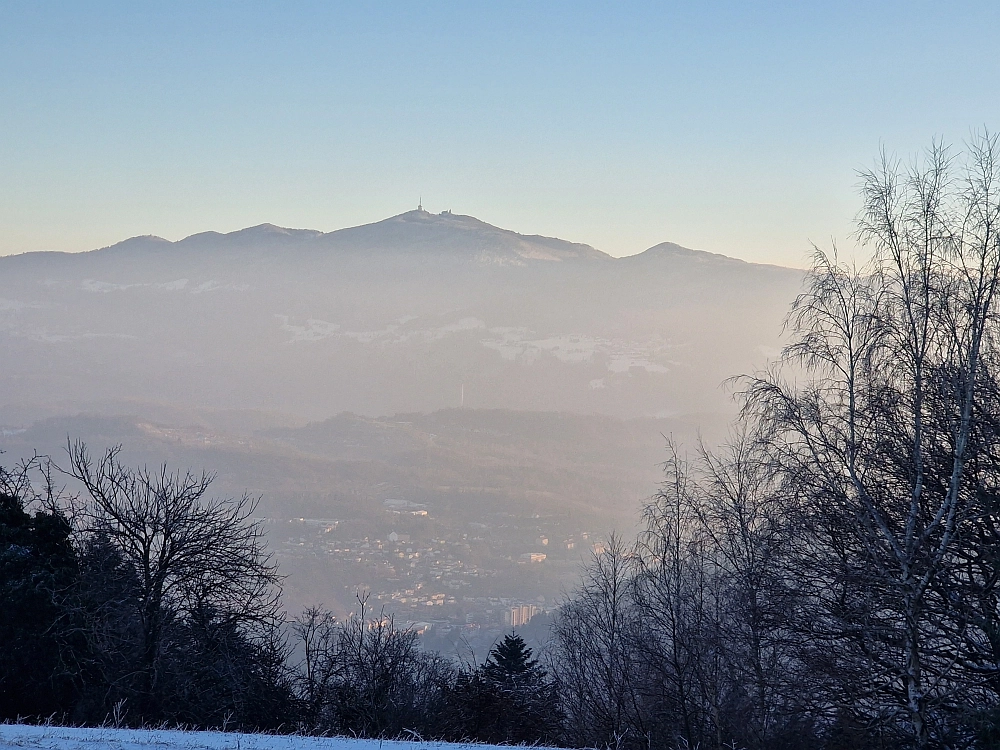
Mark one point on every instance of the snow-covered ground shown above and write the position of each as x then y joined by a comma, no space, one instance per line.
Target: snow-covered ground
75,738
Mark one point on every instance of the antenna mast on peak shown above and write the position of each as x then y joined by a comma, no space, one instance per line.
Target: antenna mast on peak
420,203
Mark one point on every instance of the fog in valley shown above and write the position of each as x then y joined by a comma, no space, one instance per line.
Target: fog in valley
449,415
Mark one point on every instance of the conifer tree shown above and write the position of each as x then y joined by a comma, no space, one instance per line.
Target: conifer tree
509,699
36,559
510,664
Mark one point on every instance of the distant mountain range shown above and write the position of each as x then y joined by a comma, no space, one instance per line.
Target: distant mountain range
410,314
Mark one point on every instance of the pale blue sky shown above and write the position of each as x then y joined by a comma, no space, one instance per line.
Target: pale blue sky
730,127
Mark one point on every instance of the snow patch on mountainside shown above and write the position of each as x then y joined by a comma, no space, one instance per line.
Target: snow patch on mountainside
516,344
177,285
313,330
511,343
47,337
317,330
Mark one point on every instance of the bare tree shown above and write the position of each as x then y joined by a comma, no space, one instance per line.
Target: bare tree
365,676
191,557
316,630
595,661
747,528
712,591
832,576
676,598
879,438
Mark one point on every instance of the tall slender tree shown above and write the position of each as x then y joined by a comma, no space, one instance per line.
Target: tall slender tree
880,439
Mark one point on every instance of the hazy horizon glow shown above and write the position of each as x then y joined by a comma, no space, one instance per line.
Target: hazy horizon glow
720,126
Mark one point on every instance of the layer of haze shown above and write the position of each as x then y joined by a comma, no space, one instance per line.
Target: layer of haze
730,127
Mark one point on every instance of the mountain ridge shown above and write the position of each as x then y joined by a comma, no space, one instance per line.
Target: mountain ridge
413,232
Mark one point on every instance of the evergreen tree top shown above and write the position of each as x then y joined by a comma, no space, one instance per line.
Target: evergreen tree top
510,660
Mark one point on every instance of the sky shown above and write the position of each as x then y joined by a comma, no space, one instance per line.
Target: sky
737,128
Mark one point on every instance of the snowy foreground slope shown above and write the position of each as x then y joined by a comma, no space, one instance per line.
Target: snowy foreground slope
73,738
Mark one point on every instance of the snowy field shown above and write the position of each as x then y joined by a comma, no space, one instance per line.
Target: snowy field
73,738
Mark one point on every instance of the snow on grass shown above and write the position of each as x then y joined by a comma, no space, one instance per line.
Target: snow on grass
105,738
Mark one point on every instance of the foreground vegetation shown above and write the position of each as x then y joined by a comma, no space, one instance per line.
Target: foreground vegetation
828,579
146,603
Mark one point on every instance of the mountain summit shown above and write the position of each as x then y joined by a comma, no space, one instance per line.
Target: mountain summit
414,233
455,234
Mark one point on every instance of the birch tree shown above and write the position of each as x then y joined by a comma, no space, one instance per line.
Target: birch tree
878,439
